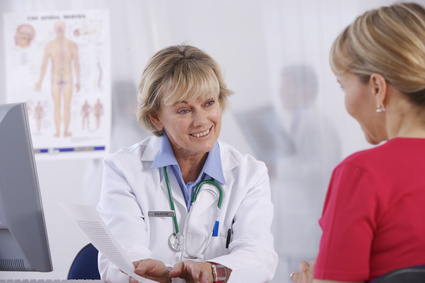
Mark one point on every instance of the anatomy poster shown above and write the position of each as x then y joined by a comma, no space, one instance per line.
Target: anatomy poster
59,64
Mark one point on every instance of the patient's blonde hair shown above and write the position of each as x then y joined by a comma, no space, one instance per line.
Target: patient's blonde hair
389,41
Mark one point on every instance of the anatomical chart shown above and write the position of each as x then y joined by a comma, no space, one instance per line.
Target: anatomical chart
58,63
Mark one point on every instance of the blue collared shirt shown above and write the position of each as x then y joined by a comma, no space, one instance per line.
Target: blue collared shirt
212,168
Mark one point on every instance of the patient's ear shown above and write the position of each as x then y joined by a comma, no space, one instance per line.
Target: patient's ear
379,88
156,121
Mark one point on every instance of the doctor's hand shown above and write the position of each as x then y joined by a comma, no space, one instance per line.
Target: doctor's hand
193,271
151,269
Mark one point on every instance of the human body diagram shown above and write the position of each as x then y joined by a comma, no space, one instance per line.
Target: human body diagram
98,112
86,109
38,115
63,55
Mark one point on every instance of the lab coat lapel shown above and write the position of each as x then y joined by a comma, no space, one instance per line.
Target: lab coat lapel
175,190
227,160
149,154
152,148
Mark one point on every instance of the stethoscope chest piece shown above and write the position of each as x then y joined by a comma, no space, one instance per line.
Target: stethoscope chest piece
176,242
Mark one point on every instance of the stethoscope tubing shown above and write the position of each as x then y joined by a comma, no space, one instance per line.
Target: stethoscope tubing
195,194
170,195
211,182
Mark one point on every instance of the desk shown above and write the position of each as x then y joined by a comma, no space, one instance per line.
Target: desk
48,280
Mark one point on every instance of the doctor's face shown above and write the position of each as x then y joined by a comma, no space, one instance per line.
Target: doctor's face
192,126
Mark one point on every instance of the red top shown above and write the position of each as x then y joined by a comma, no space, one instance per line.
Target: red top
374,215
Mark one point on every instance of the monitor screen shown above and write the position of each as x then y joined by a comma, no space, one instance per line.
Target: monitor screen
23,237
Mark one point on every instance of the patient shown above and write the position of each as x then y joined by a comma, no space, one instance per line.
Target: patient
373,215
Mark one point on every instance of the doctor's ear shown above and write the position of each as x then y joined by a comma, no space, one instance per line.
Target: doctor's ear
154,117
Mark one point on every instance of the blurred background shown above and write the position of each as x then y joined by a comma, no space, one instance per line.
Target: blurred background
288,109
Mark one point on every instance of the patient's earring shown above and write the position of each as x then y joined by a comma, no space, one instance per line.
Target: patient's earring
380,108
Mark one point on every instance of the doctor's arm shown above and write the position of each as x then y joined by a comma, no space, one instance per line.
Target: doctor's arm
151,269
194,271
252,256
122,214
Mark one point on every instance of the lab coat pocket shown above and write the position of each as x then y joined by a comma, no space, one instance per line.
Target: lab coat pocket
160,229
217,247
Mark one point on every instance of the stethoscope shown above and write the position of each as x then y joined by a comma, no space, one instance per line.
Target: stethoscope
176,238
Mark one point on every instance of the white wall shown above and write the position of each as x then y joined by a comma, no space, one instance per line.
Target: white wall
248,40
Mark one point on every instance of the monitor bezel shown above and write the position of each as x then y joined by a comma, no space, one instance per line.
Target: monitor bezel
22,221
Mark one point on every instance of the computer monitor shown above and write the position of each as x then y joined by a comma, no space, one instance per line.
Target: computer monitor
23,238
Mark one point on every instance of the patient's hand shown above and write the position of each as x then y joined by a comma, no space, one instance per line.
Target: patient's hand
306,272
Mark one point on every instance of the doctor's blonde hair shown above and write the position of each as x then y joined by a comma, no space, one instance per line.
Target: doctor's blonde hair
178,73
389,41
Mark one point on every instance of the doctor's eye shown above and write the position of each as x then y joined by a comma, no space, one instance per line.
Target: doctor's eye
183,111
210,102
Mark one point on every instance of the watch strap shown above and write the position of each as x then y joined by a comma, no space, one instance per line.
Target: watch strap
219,272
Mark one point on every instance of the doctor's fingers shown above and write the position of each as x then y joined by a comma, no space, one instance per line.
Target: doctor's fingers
150,268
193,271
186,269
203,272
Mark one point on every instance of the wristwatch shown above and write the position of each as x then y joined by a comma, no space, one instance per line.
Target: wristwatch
219,272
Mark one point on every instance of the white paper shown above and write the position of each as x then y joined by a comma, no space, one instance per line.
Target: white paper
93,226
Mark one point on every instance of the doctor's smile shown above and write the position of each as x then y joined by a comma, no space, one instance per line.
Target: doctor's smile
202,134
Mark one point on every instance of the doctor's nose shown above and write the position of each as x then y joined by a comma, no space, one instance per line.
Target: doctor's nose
199,118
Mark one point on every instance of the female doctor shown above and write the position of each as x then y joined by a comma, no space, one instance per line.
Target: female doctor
184,206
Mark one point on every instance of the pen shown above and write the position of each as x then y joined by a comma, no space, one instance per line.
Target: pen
229,236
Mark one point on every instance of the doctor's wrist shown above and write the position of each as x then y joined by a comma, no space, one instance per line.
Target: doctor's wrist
220,272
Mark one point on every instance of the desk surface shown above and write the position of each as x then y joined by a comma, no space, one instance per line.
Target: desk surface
47,281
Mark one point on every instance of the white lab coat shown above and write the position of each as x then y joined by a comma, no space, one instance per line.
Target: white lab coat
130,189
